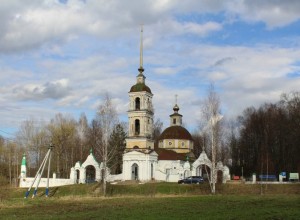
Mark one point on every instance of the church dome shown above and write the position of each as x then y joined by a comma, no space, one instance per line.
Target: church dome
140,87
175,132
176,108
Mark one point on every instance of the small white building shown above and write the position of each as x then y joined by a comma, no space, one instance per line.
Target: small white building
87,172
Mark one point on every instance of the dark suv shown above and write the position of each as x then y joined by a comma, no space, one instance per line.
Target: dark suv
191,179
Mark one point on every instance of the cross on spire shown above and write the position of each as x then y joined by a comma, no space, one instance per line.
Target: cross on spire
176,108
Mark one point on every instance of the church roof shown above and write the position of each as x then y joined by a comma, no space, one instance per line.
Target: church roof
140,87
176,114
175,132
164,154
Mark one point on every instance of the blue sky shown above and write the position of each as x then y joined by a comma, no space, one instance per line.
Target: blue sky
63,56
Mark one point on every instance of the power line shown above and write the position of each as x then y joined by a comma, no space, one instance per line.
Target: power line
6,132
7,138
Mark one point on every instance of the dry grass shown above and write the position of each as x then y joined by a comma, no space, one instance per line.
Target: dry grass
165,207
157,201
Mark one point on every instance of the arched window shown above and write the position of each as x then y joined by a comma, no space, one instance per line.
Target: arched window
137,103
77,176
137,127
151,171
134,172
148,104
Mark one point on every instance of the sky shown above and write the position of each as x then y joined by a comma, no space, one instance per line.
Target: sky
63,56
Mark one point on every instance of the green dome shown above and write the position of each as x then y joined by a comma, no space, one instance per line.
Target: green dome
140,87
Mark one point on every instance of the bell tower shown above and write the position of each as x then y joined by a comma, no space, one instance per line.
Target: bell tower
140,113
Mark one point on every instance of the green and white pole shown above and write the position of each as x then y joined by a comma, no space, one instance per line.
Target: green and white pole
23,166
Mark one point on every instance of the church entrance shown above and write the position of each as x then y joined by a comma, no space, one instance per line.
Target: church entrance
186,174
151,171
77,176
134,172
204,171
90,174
219,176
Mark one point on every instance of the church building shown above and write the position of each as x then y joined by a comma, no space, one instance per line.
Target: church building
169,159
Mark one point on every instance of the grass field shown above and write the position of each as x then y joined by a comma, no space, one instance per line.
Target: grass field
157,201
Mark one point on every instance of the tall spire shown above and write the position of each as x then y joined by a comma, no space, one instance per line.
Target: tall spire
176,118
176,107
141,69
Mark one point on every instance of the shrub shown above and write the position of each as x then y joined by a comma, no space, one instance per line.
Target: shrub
4,184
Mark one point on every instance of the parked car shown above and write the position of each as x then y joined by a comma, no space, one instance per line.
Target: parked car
191,179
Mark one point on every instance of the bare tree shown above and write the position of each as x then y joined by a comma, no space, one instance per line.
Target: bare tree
82,129
212,117
63,133
157,129
199,143
269,138
107,119
33,137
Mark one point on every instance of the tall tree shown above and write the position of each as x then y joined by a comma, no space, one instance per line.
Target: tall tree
211,114
107,119
33,137
199,142
157,129
268,140
82,130
117,144
63,133
4,161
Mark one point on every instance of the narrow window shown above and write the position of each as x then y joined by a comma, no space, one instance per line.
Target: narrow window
137,127
174,121
151,171
137,104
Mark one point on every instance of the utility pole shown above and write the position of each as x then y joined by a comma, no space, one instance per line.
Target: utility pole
39,174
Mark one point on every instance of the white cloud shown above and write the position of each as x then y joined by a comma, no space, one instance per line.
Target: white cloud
66,56
165,70
272,12
30,24
48,90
